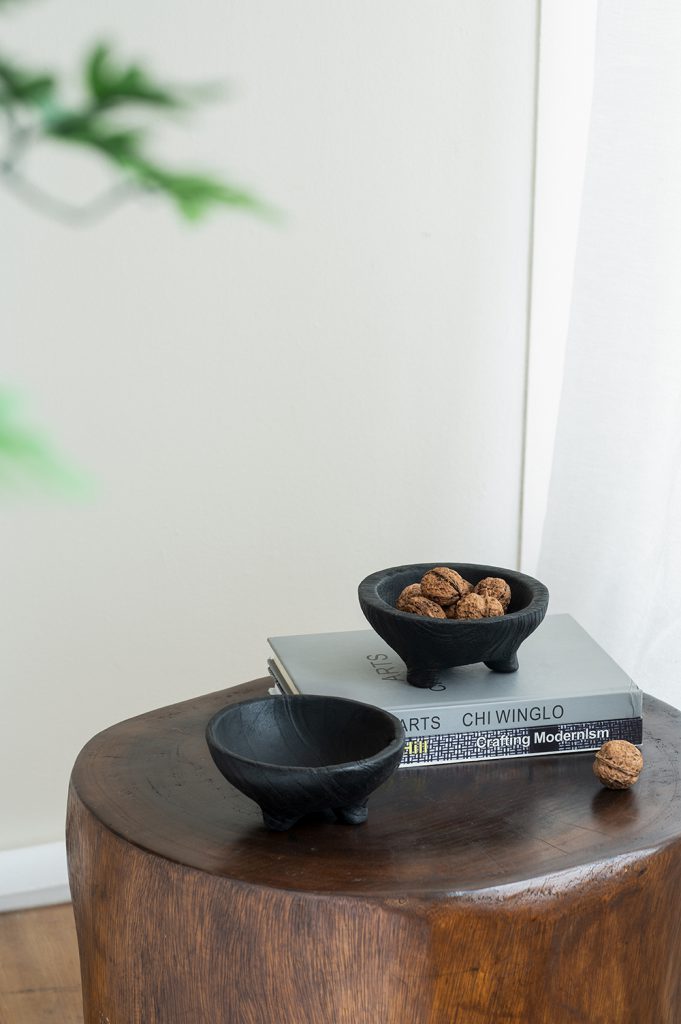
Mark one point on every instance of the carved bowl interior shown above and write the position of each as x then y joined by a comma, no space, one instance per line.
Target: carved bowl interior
295,755
430,645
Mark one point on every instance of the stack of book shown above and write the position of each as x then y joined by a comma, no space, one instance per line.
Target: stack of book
568,695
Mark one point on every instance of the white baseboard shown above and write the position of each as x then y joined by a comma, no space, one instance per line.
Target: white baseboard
35,876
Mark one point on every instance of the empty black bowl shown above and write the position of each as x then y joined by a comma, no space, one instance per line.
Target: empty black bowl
300,754
429,645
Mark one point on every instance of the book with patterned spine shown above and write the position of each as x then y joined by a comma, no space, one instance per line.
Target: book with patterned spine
568,695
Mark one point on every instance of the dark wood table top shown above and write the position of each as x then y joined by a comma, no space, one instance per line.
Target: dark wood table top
431,832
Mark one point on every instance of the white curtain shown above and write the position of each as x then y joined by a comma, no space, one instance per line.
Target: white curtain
611,549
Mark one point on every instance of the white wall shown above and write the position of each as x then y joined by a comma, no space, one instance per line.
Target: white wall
269,413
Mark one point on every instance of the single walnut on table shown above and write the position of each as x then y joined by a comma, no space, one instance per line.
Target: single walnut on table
618,764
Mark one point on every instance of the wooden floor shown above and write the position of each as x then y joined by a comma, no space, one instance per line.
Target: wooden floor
39,972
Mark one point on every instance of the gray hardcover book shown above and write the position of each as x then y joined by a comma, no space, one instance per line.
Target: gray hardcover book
564,677
490,744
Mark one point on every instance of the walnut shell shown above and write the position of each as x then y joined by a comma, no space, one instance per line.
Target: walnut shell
618,764
444,585
419,605
476,606
413,590
494,586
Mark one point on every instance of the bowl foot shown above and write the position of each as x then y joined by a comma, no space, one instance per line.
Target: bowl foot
278,822
504,664
422,677
353,815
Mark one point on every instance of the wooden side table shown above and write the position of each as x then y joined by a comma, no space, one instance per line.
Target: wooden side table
514,891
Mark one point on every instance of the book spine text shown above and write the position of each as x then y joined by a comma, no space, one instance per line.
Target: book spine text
490,744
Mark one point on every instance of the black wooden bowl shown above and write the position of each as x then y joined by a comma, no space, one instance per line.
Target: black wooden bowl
300,754
429,645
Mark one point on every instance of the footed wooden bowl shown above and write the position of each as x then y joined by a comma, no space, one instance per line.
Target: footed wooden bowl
295,755
427,646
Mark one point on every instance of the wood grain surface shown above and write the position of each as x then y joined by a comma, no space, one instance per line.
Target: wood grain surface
515,891
39,971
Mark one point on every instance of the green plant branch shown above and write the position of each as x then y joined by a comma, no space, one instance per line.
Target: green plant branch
34,112
20,139
94,210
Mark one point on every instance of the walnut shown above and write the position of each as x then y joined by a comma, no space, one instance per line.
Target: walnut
618,764
444,586
477,606
417,604
494,586
413,590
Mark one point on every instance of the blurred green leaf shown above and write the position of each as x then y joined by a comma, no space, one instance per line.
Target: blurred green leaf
194,194
24,454
25,87
111,84
93,130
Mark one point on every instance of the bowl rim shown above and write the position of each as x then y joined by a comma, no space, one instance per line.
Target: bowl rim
368,593
397,743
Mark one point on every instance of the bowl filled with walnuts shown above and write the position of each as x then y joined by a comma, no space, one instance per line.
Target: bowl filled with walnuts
442,614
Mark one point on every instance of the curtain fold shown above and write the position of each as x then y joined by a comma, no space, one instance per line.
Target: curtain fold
611,548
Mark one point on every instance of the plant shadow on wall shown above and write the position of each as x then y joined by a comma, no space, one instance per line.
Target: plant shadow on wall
119,103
